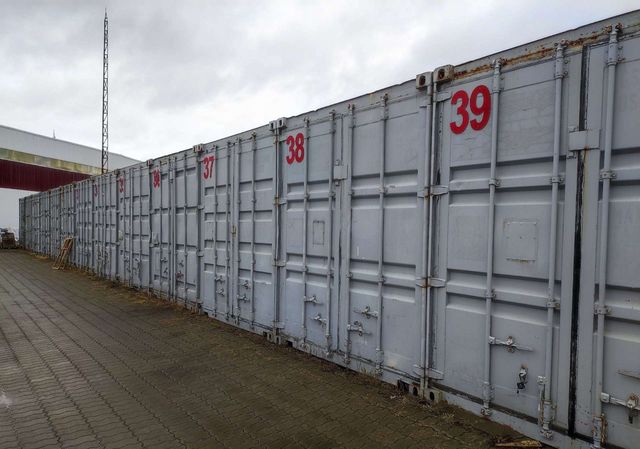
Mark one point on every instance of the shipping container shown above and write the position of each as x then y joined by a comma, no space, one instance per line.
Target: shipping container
471,235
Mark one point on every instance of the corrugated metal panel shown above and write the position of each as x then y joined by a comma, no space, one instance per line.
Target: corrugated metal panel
474,236
16,175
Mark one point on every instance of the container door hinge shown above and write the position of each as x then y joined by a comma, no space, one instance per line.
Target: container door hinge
607,174
434,190
588,139
436,282
443,96
598,428
430,372
279,263
601,310
339,172
279,201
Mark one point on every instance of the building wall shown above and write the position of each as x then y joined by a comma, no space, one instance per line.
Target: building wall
35,144
32,163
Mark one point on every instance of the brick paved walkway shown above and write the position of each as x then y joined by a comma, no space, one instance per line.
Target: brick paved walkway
84,364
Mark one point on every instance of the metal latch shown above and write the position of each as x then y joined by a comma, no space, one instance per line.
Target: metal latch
357,327
510,343
311,298
319,319
632,403
366,312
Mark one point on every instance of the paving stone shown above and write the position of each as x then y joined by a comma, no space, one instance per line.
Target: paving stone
90,365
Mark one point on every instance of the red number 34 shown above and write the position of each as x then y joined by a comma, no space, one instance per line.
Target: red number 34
481,111
296,148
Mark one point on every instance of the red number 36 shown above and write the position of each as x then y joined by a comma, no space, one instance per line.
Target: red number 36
481,111
296,148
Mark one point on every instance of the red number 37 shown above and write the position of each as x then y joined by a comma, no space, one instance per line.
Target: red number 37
296,148
480,110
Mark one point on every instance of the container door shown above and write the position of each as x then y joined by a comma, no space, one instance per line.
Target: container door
224,290
608,364
503,273
217,232
186,214
78,223
308,297
52,222
114,234
123,238
160,236
97,220
141,202
209,176
83,223
252,169
381,236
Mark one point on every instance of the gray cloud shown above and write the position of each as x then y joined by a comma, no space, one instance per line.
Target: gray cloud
183,72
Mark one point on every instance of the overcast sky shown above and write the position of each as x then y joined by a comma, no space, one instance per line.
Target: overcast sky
185,72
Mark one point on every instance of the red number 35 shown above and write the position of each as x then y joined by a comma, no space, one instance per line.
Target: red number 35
482,110
296,148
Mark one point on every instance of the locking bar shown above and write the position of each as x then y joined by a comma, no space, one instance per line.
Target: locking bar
367,312
357,327
629,373
510,343
632,402
319,319
312,298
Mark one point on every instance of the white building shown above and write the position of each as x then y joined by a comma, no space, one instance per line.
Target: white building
34,163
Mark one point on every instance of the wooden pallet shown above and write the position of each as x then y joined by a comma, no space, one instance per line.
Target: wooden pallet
63,258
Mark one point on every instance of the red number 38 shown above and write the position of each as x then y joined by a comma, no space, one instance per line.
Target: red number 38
296,148
481,111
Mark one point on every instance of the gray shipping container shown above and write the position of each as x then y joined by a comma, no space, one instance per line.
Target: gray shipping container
472,234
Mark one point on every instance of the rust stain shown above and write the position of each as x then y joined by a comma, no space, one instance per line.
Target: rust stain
533,55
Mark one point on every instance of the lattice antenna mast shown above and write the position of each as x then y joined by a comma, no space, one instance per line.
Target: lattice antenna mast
105,96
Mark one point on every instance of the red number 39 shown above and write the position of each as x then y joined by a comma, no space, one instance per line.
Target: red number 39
296,148
482,110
